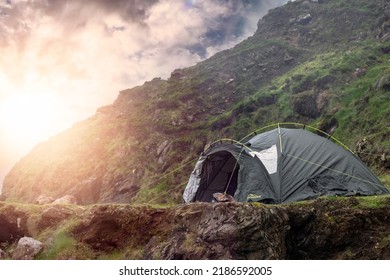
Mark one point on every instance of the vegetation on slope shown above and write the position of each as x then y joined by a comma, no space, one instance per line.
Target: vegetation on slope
323,63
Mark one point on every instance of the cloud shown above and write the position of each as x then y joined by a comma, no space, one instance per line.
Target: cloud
82,53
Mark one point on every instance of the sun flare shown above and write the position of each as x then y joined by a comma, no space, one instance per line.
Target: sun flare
29,117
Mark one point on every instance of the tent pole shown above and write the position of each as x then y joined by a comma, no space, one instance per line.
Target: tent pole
234,169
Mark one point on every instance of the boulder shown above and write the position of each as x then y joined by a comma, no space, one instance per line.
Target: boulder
359,72
306,103
178,74
288,57
27,249
87,191
383,83
162,147
67,199
43,199
54,215
2,255
13,224
304,19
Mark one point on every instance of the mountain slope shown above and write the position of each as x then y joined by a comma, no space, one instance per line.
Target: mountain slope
320,62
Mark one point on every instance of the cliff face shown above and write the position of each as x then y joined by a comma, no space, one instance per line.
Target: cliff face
349,228
320,62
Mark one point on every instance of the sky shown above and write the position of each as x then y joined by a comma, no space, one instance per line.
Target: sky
62,59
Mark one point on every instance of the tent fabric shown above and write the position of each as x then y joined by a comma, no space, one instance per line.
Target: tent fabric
280,166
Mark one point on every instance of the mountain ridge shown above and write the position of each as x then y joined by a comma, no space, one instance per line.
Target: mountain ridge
318,62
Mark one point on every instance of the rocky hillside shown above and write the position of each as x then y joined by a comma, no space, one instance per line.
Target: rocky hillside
345,228
326,63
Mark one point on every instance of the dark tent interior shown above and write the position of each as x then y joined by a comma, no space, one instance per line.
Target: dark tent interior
219,174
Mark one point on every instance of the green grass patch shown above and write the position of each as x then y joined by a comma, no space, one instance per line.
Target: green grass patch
385,242
61,243
385,179
374,201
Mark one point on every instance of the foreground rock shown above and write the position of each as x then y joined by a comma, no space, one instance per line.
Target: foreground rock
27,249
345,228
2,255
43,199
194,231
67,199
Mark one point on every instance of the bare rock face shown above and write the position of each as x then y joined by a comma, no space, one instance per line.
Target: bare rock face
54,215
193,231
67,199
226,231
13,224
27,249
347,228
339,230
43,199
162,151
304,19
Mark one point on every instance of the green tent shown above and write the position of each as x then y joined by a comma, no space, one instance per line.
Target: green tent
279,166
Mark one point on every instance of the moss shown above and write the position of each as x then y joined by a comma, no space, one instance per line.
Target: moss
116,255
348,254
385,242
192,245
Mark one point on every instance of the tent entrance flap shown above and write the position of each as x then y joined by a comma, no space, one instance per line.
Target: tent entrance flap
219,174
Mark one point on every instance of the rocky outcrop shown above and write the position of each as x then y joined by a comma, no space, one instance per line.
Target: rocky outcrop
162,151
13,224
309,103
67,199
307,60
196,231
304,19
223,231
2,255
339,229
373,154
344,228
43,199
27,249
53,216
383,83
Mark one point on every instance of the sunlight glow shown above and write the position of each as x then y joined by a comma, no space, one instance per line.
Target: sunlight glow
29,116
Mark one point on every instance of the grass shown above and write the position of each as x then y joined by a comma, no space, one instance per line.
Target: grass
128,253
374,201
371,202
62,243
385,179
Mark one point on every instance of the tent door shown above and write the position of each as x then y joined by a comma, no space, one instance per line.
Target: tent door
219,174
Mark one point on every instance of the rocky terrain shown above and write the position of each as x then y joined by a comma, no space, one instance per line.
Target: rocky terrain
339,228
324,63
